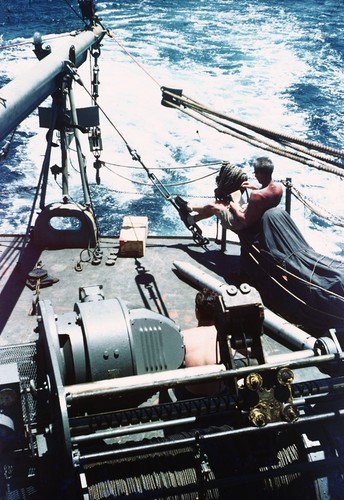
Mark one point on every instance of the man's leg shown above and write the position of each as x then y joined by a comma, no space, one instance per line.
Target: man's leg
206,211
202,211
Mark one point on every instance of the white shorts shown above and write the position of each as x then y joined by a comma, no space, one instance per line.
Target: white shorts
226,217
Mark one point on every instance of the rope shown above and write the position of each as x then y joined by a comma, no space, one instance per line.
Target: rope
310,283
188,102
18,44
279,284
194,228
271,133
299,144
75,12
315,208
111,35
152,194
296,152
265,145
184,167
232,131
165,184
243,136
321,212
229,180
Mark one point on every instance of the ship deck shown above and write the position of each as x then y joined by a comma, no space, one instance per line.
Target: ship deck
147,281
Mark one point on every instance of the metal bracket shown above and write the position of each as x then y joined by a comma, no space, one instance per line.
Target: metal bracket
274,395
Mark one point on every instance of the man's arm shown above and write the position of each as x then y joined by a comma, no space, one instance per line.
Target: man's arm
253,212
248,185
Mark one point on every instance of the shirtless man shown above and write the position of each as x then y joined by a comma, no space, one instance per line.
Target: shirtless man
201,346
235,216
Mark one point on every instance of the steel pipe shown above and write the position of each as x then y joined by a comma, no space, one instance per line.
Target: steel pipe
287,331
279,326
190,441
172,378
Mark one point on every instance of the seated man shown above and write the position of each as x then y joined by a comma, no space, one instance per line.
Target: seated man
236,216
201,346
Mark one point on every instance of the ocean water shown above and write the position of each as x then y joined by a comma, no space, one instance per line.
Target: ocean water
278,64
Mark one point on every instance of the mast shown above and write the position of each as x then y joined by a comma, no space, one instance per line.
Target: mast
24,94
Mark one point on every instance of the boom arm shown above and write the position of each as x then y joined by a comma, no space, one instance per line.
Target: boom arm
21,96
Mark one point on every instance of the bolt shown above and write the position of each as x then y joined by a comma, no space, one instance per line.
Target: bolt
258,418
285,376
290,413
254,381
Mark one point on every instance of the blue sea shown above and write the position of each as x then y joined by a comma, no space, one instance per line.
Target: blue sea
278,64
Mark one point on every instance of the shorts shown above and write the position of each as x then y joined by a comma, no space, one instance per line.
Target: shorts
227,218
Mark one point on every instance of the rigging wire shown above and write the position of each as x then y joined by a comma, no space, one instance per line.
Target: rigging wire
303,149
309,283
302,155
285,289
75,12
299,144
163,187
185,167
29,42
315,208
297,147
165,184
112,35
194,228
268,132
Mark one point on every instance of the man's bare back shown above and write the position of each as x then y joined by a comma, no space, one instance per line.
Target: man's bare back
201,348
260,201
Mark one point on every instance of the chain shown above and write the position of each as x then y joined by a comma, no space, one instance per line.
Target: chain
94,134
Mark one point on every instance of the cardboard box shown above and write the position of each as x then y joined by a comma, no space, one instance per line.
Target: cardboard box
133,236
